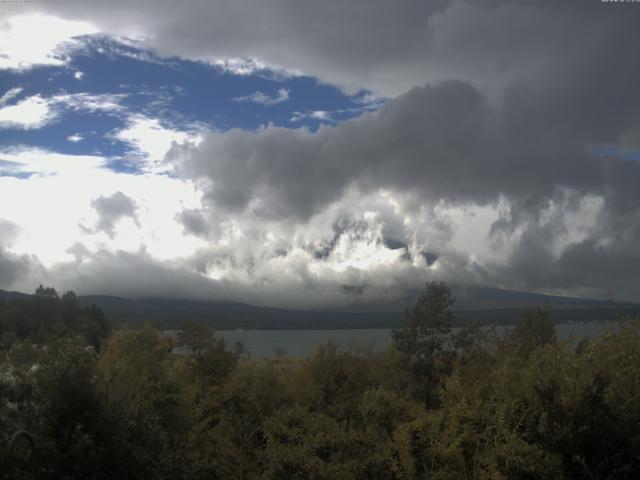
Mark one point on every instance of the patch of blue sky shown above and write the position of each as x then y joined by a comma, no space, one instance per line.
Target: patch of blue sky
45,81
124,165
72,133
180,94
201,92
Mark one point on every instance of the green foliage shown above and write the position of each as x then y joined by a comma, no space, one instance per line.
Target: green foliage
68,412
305,444
210,361
534,329
335,381
45,316
440,404
425,340
428,323
144,401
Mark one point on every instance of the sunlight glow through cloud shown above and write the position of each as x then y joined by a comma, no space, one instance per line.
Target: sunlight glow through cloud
151,140
37,39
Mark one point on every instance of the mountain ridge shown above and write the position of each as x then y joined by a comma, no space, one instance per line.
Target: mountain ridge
491,306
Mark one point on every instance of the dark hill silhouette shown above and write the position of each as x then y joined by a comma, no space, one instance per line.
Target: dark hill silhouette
486,298
487,305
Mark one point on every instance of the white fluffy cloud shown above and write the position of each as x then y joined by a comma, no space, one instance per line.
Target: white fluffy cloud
29,161
32,112
28,40
37,111
95,220
152,141
54,207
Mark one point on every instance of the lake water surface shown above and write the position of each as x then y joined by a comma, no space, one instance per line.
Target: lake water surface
265,343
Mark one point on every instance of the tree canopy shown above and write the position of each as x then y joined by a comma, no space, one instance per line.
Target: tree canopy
440,403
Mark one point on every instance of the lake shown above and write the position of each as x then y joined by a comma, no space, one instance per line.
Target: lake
296,343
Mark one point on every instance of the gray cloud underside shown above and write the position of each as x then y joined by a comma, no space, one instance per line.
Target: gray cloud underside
111,209
448,143
385,46
14,269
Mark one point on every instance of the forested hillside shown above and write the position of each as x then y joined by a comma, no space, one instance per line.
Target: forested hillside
438,404
486,305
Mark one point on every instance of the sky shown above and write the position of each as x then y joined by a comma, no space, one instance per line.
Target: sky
319,154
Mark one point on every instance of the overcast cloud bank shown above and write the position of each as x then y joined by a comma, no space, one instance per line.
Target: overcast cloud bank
507,155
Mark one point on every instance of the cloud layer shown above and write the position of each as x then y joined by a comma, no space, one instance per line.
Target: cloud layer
387,47
563,209
507,155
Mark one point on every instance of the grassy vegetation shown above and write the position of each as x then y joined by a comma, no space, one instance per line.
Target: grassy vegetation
437,405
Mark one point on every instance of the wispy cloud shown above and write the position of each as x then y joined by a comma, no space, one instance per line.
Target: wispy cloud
37,111
322,115
90,102
282,95
10,94
368,102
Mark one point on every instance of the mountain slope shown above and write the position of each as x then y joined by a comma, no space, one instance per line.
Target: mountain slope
473,303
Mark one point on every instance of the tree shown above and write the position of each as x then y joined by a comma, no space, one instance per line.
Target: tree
210,360
45,316
195,337
150,420
46,292
65,412
425,338
534,329
335,380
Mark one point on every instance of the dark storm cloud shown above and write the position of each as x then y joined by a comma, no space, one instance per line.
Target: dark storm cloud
13,268
8,270
425,140
111,209
608,259
533,146
436,143
138,275
339,42
132,275
385,46
194,222
353,289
